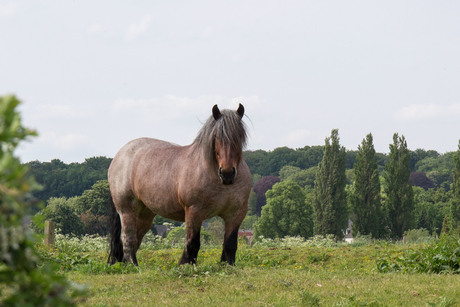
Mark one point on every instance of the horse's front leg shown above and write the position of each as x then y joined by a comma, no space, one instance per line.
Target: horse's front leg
230,246
192,236
232,225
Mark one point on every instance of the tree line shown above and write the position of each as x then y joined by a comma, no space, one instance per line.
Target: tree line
320,187
59,179
382,202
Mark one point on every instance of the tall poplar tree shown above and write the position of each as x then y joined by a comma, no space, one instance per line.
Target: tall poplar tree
398,188
456,189
366,200
330,198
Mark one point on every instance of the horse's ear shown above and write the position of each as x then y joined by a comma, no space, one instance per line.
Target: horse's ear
216,112
240,110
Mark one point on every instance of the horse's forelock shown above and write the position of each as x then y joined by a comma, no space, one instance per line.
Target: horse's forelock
229,130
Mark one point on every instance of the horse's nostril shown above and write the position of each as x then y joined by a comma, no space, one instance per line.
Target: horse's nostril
227,176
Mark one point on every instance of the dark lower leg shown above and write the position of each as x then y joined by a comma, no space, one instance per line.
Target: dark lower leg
193,222
192,246
229,248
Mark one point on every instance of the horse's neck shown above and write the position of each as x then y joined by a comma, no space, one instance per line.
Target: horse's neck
199,161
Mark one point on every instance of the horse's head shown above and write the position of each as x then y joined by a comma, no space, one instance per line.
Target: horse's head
228,143
227,162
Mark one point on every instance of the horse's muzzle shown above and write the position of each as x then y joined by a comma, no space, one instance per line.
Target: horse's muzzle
227,177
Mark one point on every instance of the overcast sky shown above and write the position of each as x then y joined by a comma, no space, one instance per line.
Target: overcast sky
93,75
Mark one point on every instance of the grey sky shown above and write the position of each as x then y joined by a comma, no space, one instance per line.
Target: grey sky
96,74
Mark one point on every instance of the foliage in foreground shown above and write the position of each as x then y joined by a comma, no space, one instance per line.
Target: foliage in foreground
22,281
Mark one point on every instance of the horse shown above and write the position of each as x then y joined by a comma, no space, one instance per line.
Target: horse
207,178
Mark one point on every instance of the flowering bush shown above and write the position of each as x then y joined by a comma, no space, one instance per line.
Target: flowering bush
87,243
315,241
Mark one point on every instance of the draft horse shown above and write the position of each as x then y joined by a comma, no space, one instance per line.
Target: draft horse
208,178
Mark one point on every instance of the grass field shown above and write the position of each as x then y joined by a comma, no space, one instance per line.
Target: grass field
340,275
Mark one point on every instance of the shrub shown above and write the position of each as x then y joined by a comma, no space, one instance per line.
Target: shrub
417,236
442,256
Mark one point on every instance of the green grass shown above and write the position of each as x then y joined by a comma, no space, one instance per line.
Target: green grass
341,275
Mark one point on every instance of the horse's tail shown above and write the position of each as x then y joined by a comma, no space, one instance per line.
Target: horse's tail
116,246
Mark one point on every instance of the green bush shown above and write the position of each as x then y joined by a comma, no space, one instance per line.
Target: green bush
417,236
441,256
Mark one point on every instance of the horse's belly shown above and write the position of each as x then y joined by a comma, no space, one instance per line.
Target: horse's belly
169,210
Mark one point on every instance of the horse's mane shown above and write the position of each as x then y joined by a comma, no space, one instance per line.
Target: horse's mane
229,129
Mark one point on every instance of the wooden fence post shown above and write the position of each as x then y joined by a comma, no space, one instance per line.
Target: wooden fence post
49,233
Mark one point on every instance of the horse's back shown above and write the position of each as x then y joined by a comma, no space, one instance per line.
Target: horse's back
139,154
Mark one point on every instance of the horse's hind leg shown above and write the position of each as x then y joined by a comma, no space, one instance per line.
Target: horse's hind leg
135,225
129,236
116,246
144,223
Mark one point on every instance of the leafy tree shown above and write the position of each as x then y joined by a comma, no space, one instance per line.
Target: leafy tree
62,212
456,189
310,156
303,177
249,221
67,180
256,161
279,157
270,163
382,160
419,155
398,188
95,200
350,158
94,224
23,282
288,171
286,213
430,208
85,214
438,169
330,198
260,188
419,179
252,203
366,202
